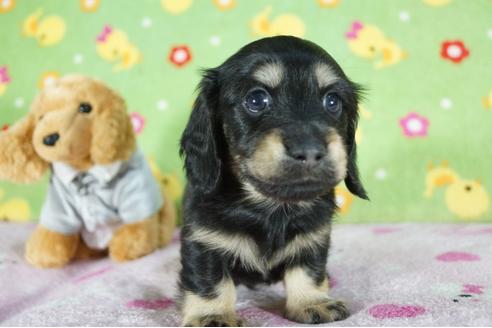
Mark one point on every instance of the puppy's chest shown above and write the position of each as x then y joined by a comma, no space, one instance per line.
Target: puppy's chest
264,247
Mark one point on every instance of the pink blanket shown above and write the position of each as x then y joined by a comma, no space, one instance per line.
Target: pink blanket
405,275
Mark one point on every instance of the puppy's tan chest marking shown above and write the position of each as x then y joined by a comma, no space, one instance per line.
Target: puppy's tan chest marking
244,249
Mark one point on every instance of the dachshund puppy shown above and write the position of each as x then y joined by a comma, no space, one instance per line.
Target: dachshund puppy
270,136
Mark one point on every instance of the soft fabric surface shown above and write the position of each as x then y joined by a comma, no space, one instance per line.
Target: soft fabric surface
429,96
407,274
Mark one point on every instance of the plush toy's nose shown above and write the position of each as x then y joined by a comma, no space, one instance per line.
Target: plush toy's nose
51,139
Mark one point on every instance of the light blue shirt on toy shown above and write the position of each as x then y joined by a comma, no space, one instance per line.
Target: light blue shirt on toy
95,203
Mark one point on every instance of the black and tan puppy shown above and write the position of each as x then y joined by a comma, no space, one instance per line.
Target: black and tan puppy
270,136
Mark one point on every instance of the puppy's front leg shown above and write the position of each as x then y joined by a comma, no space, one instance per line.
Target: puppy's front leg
307,300
208,294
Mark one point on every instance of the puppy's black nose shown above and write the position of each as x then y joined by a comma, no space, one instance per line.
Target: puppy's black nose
51,139
307,153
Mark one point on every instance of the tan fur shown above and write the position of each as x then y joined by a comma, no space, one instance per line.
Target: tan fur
245,249
240,247
103,136
301,289
257,197
305,298
112,134
135,240
85,253
337,154
19,162
167,220
270,74
302,243
268,155
49,249
198,310
325,75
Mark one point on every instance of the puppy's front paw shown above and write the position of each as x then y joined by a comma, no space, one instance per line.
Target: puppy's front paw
215,320
320,312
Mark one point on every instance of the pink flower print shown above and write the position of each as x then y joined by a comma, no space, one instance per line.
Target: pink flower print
387,311
414,125
155,304
138,122
103,36
4,75
457,257
472,289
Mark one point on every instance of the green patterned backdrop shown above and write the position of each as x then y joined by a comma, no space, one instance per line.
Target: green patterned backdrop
426,125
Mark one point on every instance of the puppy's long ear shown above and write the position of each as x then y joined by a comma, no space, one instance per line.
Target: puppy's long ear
113,137
199,144
19,161
352,180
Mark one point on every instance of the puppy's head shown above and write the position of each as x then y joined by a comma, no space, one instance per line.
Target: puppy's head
282,115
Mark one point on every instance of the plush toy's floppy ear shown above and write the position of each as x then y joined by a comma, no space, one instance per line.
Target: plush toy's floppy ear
352,180
199,140
113,137
19,162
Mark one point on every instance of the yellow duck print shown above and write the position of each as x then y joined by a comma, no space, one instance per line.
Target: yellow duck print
369,42
48,31
343,199
487,101
436,3
113,45
14,209
225,4
170,183
89,6
466,199
176,7
328,3
6,6
285,24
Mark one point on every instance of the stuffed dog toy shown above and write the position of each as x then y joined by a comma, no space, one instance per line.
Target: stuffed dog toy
270,136
102,194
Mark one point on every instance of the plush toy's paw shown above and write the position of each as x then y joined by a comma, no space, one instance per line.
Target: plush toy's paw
215,320
134,240
85,253
49,249
320,312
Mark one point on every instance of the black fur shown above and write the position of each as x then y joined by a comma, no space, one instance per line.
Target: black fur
220,129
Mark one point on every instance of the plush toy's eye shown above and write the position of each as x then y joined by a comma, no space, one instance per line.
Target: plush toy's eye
332,104
257,100
85,108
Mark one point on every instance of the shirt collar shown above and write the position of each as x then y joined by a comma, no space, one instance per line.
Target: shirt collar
102,173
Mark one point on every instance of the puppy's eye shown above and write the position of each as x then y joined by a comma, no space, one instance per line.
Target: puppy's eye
332,104
85,108
257,100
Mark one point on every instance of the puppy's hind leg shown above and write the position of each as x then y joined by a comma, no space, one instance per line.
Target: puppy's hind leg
307,297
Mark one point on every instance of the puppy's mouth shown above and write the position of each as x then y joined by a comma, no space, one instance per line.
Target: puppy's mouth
289,191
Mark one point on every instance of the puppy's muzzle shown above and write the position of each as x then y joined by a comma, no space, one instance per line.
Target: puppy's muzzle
51,140
307,153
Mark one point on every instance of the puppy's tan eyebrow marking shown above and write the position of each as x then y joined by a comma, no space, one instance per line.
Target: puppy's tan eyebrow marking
270,74
325,75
